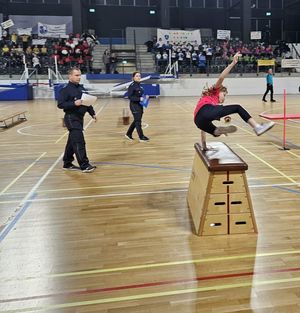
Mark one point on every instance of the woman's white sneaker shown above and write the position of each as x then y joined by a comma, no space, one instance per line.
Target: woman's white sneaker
262,128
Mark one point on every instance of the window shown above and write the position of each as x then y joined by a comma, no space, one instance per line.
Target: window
112,2
100,2
211,4
63,1
234,3
127,2
198,3
187,3
153,3
141,3
173,3
276,4
263,4
220,4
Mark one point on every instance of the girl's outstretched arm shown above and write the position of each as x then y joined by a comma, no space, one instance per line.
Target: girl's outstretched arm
227,70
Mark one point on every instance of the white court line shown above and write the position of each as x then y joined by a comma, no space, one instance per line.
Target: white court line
180,107
20,130
21,174
110,195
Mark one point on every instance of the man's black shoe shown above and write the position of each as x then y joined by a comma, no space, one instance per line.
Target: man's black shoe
89,169
71,167
144,139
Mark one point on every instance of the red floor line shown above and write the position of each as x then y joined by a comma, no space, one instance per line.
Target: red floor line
154,284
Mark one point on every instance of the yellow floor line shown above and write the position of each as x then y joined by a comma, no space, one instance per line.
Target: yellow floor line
155,295
214,259
20,175
268,164
290,152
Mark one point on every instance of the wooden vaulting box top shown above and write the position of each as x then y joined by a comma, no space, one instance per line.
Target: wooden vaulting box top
222,158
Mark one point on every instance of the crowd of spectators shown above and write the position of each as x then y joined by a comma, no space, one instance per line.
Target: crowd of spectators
214,55
39,53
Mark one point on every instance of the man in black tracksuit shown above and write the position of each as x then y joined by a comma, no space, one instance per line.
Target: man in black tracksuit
70,101
135,95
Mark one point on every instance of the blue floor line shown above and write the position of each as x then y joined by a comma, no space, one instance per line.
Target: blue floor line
287,189
146,166
12,223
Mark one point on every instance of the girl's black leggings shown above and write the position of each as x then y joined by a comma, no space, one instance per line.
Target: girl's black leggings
209,113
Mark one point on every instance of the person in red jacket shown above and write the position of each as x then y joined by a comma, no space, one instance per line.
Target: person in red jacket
210,108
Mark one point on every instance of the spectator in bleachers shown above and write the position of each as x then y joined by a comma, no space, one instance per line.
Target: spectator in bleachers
36,50
106,61
44,50
5,51
36,63
113,63
14,38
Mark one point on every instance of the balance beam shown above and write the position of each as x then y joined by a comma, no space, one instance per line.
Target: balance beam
218,196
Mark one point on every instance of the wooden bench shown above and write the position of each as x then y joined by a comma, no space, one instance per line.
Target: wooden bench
13,119
218,195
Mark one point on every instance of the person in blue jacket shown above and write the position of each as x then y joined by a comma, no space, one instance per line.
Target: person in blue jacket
136,95
269,79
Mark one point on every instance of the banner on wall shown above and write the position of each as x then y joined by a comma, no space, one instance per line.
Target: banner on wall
266,62
54,31
7,24
171,36
223,34
39,42
255,35
290,63
24,31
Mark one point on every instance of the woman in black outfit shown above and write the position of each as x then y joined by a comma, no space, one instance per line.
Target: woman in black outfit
135,95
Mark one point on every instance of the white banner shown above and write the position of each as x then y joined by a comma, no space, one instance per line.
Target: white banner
7,24
24,31
223,34
172,36
255,35
54,31
39,42
290,63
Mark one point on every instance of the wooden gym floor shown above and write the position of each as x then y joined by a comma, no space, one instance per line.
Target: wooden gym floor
120,240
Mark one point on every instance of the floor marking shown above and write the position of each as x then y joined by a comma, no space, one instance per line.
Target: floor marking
154,295
288,151
20,131
109,195
20,175
152,284
245,130
268,164
288,189
102,195
154,265
20,212
146,166
150,184
183,109
104,187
